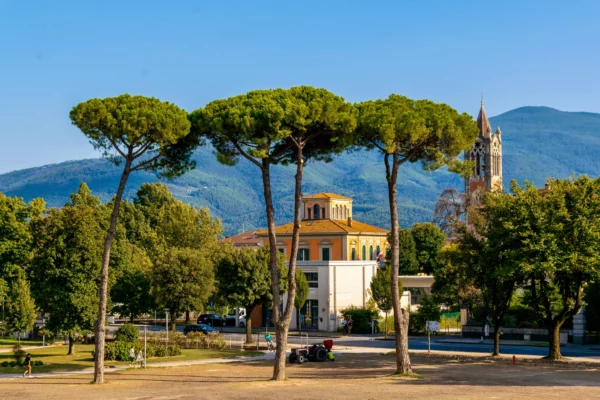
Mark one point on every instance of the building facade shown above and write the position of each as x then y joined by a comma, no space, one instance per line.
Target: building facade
486,152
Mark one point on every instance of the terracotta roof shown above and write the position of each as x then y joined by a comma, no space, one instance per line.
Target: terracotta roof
315,226
244,239
327,196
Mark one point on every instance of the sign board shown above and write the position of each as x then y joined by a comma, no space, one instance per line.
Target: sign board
433,326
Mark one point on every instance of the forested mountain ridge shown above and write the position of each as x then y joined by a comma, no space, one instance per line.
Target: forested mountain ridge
537,142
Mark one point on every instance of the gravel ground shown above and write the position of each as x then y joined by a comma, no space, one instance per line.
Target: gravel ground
356,376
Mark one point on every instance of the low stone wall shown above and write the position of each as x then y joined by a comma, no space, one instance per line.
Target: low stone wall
526,334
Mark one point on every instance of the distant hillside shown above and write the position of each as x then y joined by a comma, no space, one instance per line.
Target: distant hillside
538,142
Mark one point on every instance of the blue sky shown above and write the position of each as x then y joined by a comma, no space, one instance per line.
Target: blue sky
55,54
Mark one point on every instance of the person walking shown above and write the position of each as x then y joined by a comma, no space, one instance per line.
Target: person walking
27,363
139,358
349,325
131,357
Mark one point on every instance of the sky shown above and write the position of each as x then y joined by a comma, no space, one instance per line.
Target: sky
55,54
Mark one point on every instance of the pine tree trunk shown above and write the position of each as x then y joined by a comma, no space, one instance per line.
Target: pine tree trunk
554,345
71,345
101,322
400,316
187,317
173,322
283,323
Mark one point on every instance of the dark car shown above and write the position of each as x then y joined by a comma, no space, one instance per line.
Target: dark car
198,328
212,320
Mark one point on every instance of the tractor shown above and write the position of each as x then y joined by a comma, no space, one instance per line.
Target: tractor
317,352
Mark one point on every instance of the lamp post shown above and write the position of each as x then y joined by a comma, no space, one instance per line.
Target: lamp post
167,324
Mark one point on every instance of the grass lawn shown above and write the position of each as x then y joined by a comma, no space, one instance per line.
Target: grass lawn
55,358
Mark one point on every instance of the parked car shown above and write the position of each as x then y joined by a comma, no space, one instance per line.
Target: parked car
230,319
212,320
198,328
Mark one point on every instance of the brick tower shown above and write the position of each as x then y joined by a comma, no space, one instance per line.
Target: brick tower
487,154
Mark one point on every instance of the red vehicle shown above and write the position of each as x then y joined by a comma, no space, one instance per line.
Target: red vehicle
316,352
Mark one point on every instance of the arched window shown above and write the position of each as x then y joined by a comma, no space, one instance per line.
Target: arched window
323,213
378,251
317,211
353,253
364,252
370,252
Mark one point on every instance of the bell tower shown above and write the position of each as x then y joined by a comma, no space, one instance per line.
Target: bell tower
487,155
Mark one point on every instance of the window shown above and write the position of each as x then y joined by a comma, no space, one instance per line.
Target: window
317,211
354,253
313,279
364,252
370,252
309,213
325,253
281,250
417,293
303,255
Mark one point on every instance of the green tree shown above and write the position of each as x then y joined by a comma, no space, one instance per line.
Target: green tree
65,269
145,134
20,308
278,126
404,130
244,279
429,240
381,290
302,292
453,285
408,264
559,248
182,279
132,291
15,235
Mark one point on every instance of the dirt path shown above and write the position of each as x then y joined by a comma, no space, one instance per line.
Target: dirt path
356,376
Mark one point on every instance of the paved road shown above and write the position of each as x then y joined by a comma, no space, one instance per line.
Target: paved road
420,343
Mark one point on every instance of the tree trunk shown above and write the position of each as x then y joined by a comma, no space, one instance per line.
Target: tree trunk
496,351
187,317
554,338
283,322
249,324
71,345
385,325
131,318
173,322
400,316
101,322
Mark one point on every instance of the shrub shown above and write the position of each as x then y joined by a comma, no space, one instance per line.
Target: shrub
117,351
159,351
5,364
361,318
128,333
173,350
13,364
37,363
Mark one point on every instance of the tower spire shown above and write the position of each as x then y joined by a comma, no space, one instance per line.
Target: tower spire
483,122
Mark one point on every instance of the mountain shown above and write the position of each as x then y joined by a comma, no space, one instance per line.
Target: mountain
538,142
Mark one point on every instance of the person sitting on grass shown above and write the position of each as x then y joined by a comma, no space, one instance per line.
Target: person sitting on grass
27,363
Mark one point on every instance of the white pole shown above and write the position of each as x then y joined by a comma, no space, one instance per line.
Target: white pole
145,357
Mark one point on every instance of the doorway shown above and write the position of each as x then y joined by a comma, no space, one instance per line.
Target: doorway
309,315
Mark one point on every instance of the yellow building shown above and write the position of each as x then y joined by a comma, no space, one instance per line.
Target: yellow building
329,233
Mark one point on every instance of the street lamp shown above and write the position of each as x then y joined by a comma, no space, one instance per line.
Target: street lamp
167,323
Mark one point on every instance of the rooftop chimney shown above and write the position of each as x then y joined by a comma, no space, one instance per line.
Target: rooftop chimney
350,222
